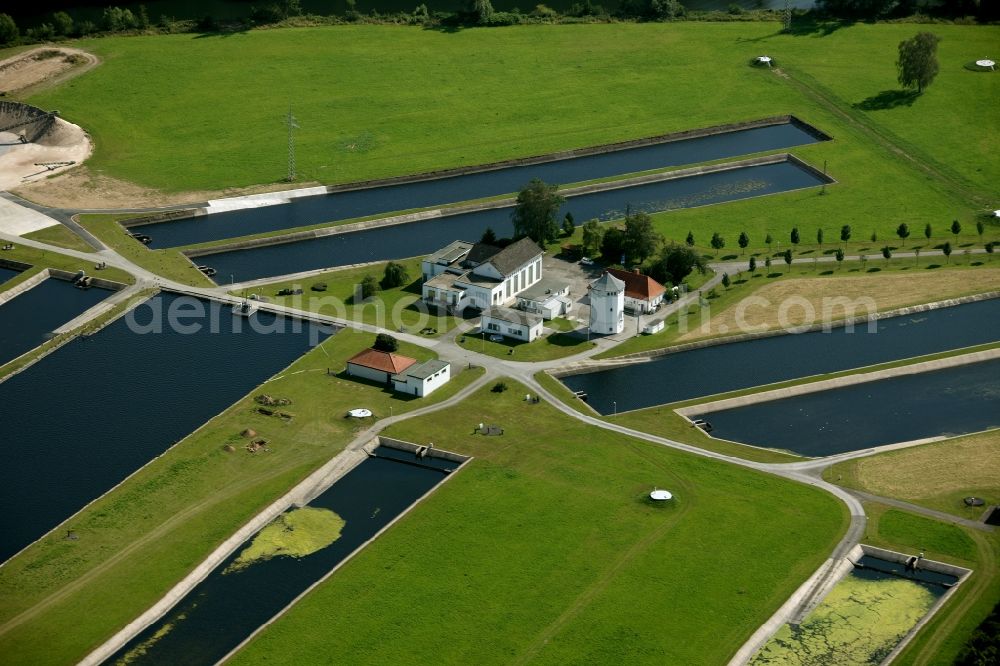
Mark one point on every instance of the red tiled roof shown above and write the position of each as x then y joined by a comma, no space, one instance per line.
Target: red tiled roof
380,360
638,285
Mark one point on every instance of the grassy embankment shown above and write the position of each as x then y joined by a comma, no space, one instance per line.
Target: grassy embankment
61,598
170,263
664,90
389,308
898,283
60,236
936,476
546,549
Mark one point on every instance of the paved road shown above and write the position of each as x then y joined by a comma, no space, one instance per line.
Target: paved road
807,472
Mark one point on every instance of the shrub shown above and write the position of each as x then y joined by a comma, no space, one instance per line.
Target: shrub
385,342
499,387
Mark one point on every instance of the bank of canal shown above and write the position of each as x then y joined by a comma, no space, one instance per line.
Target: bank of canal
28,319
417,238
86,416
245,592
953,401
740,365
355,203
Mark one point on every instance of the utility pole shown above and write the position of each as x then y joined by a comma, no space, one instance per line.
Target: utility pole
787,15
292,125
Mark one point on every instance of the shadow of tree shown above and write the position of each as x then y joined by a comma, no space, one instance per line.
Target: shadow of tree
888,99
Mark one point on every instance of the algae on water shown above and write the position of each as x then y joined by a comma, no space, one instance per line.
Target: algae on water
860,622
296,533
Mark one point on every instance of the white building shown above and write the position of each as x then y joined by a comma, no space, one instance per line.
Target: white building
511,324
548,298
607,305
479,275
422,379
643,294
378,366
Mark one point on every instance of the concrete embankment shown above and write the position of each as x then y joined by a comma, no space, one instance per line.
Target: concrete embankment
839,382
507,202
312,486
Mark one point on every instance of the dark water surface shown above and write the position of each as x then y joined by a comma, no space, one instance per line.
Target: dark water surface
28,319
7,274
307,211
224,609
953,401
740,365
416,238
86,416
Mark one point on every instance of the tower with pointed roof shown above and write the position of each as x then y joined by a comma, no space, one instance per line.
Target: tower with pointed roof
607,305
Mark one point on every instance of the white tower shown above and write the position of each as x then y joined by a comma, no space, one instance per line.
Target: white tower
607,305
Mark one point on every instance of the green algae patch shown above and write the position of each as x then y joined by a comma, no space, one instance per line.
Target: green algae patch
860,622
294,534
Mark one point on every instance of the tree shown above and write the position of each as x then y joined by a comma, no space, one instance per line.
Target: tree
613,245
928,231
489,237
956,228
725,280
917,62
567,225
819,236
788,258
479,12
840,257
369,287
718,242
855,9
903,231
593,234
845,233
9,33
795,236
395,275
674,263
980,228
385,342
887,253
142,18
753,264
690,239
947,250
743,241
641,239
62,23
534,214
768,240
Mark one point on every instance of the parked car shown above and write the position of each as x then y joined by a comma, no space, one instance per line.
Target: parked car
496,338
586,261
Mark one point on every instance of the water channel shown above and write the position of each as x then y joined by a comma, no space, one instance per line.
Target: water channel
350,204
29,318
7,274
860,621
739,365
416,238
249,587
952,401
86,416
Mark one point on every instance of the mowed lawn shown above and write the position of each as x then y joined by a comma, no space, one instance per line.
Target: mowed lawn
179,112
546,550
938,475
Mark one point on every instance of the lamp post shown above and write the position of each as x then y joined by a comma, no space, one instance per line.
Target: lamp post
614,406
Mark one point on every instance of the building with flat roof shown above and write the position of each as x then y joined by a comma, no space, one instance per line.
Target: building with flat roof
422,379
511,323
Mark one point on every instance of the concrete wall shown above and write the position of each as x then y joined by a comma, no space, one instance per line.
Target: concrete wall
165,216
19,289
410,447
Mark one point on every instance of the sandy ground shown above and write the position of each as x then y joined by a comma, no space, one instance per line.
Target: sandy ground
33,69
66,142
800,301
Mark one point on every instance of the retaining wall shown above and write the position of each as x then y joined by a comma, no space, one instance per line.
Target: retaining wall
409,447
166,216
37,122
19,289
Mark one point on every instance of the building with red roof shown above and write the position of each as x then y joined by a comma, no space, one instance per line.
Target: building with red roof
378,366
643,294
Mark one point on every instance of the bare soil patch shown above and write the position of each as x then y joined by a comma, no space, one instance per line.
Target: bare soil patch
43,67
795,302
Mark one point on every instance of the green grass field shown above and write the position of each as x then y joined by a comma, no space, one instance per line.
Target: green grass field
143,537
545,549
442,102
